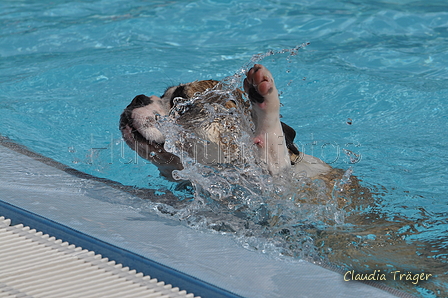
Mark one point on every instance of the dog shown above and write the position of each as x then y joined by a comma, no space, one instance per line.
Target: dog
273,139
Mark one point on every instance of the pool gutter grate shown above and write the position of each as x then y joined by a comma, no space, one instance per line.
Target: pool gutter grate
33,264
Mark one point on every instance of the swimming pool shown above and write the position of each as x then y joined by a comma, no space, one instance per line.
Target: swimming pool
369,93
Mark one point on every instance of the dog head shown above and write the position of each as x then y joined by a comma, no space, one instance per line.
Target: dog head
138,122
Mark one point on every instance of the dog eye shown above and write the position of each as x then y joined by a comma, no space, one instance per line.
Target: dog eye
179,92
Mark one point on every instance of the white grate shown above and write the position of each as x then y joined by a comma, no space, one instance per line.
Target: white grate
36,265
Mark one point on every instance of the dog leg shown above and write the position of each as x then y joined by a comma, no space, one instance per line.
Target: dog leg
259,85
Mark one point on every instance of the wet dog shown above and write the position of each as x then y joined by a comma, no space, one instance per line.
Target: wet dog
274,140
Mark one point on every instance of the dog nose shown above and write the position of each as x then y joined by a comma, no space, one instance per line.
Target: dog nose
141,101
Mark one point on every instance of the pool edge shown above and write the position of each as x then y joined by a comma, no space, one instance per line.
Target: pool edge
141,193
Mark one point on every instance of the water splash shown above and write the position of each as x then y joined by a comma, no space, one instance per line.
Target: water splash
235,81
233,191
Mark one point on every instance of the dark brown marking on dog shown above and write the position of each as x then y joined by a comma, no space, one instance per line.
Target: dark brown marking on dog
254,96
290,134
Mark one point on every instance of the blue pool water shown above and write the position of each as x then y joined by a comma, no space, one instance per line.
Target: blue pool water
368,93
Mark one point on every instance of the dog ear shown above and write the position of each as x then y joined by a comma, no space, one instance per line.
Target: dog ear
290,134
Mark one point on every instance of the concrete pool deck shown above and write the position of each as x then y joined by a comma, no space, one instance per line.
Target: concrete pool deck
117,218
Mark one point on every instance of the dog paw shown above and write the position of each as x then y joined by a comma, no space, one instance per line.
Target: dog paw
259,85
